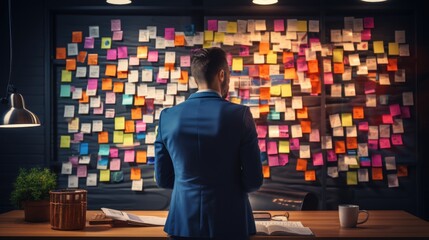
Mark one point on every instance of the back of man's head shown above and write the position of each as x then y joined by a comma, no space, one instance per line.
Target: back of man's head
206,63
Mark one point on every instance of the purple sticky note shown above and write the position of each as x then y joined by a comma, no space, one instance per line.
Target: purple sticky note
185,61
81,171
370,87
283,159
317,159
111,54
140,126
122,52
302,64
212,25
78,137
113,152
331,155
387,118
395,110
262,131
152,56
384,143
272,147
397,139
129,156
279,25
363,126
373,144
262,145
89,43
365,35
115,25
283,131
368,22
294,144
92,84
117,35
273,160
328,78
74,160
376,160
169,34
405,112
244,51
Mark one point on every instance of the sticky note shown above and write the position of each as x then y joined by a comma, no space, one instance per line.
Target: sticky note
135,173
104,150
141,156
378,47
237,64
60,53
129,156
104,175
377,173
119,123
208,36
301,164
346,119
118,136
103,137
65,141
284,147
310,175
65,91
106,43
352,178
272,147
266,171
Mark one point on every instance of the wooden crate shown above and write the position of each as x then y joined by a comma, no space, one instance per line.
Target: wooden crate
68,209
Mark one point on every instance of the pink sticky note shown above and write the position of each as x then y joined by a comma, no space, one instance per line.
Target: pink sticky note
113,152
129,156
262,131
365,162
115,25
98,110
117,35
229,59
328,78
331,156
78,137
317,159
150,106
387,118
74,160
161,80
368,22
152,56
81,171
405,112
283,159
365,35
279,25
185,61
384,143
302,64
89,42
273,160
370,87
110,98
363,126
314,40
253,71
140,126
395,110
283,131
169,34
92,84
122,52
262,145
212,25
134,61
376,160
115,164
244,94
302,49
294,144
244,51
272,147
373,144
112,54
396,139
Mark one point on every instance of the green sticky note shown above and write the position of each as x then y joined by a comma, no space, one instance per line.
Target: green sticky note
127,99
117,176
118,137
273,115
128,139
65,141
104,175
66,76
352,178
119,123
65,91
106,43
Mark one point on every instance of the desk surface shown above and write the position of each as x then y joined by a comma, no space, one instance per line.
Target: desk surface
323,224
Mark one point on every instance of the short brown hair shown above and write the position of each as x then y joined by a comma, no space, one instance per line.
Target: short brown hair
207,62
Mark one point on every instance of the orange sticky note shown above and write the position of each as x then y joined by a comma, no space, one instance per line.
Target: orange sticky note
70,64
85,98
266,171
310,175
139,101
316,87
377,173
141,156
92,59
302,113
392,64
351,142
340,147
264,71
402,170
142,51
136,113
287,56
129,126
339,68
106,84
118,87
290,73
305,126
264,93
103,137
110,70
264,48
179,40
81,57
122,75
263,108
136,173
76,37
169,66
184,77
358,112
313,66
301,164
60,53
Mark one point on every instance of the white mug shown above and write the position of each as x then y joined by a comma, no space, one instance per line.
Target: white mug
349,214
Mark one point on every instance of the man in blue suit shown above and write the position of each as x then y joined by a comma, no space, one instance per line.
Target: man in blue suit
207,151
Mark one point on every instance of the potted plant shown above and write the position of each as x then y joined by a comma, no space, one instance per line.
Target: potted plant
31,192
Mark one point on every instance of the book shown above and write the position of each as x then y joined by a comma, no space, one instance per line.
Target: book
284,228
133,219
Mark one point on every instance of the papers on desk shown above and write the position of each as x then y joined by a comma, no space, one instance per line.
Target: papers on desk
134,219
285,228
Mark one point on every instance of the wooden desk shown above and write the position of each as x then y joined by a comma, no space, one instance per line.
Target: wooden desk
324,224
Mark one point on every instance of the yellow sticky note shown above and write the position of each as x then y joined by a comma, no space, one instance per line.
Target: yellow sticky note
118,137
338,55
283,146
352,178
208,44
208,36
275,90
272,57
286,90
237,64
65,141
301,26
290,73
393,48
219,37
378,47
66,76
128,139
119,123
235,100
231,27
346,119
142,51
104,175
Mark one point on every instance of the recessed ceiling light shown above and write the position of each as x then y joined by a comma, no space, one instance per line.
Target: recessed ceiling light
118,2
264,2
372,1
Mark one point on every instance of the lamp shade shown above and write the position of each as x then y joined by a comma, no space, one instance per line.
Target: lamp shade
265,2
118,2
18,116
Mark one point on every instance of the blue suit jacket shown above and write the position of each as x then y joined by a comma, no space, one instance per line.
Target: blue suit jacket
207,151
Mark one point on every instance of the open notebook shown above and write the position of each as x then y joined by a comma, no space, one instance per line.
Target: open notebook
286,228
133,219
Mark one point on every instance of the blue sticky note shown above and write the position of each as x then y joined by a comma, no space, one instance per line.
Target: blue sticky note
277,80
65,91
141,136
104,150
150,160
102,162
273,115
127,99
83,149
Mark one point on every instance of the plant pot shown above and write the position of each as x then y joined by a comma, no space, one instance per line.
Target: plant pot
36,211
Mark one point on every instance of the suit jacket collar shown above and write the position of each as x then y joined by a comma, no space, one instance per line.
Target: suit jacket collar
205,94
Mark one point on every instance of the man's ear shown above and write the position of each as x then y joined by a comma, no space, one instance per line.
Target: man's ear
221,75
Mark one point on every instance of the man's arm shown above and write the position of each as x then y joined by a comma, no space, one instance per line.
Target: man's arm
164,171
251,173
